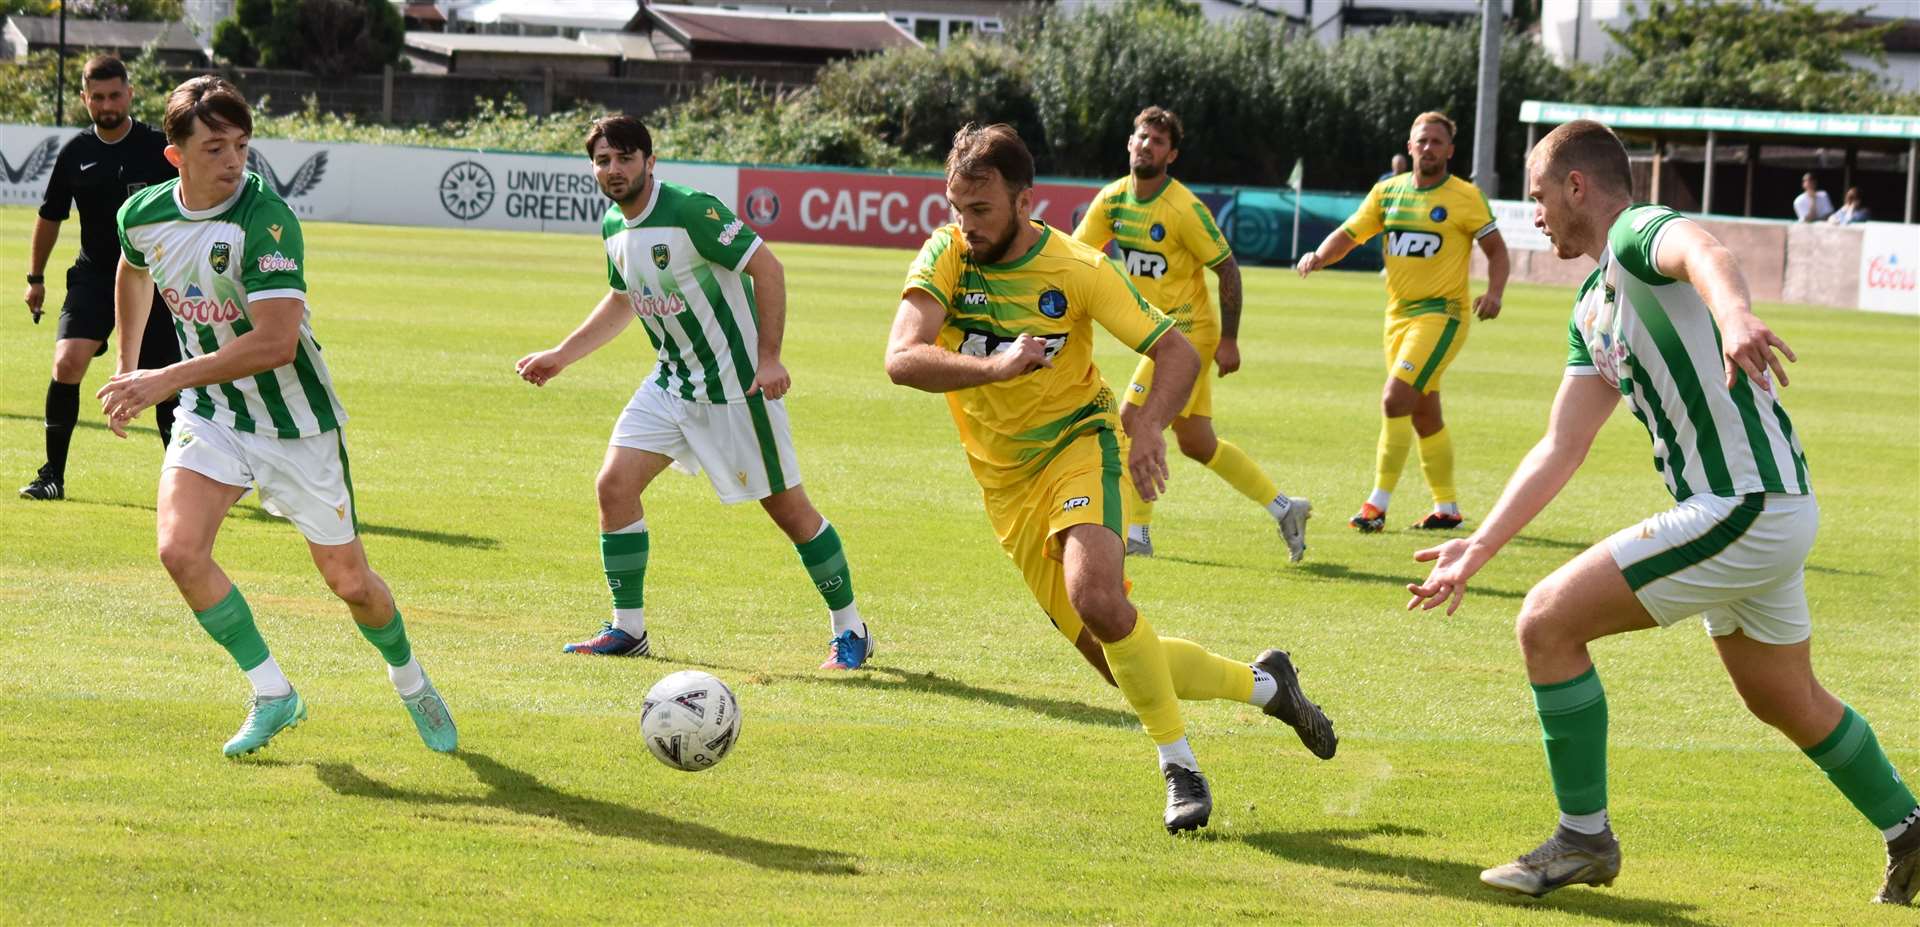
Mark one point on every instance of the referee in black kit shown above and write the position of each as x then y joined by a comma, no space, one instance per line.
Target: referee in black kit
98,169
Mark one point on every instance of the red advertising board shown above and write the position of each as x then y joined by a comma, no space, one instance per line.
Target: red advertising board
880,210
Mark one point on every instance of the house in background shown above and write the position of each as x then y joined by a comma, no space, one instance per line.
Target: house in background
173,43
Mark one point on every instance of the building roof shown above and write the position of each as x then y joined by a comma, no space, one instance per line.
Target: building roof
693,26
424,12
447,43
97,33
1683,121
575,14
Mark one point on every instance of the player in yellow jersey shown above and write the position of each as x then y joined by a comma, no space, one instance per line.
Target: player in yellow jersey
1431,219
1165,236
998,313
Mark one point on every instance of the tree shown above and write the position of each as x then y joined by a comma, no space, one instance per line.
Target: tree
331,38
1769,55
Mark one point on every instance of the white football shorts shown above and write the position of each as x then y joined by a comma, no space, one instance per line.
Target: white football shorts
746,448
304,480
1740,563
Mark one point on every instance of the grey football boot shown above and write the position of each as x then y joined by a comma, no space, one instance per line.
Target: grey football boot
1567,858
1903,867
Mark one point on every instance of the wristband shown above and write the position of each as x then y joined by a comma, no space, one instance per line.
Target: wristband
33,279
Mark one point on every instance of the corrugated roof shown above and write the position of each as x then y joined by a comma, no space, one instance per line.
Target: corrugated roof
97,33
848,32
446,43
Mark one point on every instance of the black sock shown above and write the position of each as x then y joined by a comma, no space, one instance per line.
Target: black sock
163,416
63,410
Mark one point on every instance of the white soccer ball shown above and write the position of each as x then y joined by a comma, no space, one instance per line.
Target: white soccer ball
690,720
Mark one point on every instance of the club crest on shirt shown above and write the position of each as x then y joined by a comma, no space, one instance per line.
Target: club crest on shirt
220,256
1053,304
661,256
1439,214
1157,232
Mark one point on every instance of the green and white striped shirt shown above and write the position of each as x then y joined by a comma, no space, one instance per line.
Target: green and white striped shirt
680,264
1653,337
210,265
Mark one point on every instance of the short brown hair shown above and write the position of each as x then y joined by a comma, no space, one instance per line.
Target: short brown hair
623,133
1588,147
103,67
208,100
978,150
1165,120
1437,118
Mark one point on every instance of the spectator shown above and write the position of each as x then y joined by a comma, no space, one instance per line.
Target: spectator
1400,166
1812,205
1851,210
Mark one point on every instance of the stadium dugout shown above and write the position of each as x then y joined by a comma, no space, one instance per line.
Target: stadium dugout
1774,147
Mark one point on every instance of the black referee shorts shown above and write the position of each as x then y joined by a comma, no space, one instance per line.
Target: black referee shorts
88,313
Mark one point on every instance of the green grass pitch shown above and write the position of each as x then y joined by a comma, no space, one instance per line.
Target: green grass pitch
979,772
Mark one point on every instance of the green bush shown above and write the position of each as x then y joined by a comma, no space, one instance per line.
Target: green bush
738,122
916,98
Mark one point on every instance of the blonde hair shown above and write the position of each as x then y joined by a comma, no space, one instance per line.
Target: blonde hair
1437,118
1588,147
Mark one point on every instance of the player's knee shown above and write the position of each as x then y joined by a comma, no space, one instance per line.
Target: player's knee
69,368
1395,403
1199,449
184,561
1535,630
615,489
353,586
1105,612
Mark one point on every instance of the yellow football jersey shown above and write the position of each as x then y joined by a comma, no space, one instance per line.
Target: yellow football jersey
1165,242
1012,428
1430,236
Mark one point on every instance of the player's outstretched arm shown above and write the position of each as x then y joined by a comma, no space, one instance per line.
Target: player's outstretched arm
1226,355
132,302
608,319
915,359
1691,254
1337,245
770,303
1499,264
1176,365
273,342
1580,408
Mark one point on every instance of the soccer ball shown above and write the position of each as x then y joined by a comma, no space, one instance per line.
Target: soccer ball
690,720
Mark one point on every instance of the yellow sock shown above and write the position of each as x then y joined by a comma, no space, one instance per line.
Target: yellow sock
1139,666
1396,439
1242,473
1436,459
1200,674
1139,511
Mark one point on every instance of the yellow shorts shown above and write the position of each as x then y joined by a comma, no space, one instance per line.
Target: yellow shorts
1199,402
1081,486
1419,349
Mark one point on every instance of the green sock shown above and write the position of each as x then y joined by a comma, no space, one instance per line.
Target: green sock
1573,717
230,623
390,640
1852,759
625,559
826,562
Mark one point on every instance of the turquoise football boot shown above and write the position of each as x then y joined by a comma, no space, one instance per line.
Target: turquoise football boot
265,718
430,717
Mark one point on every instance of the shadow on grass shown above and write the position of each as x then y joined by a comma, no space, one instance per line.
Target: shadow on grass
888,679
1415,572
255,513
89,423
521,793
1337,849
444,538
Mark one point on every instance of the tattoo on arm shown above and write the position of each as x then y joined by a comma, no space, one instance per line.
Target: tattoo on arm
1229,271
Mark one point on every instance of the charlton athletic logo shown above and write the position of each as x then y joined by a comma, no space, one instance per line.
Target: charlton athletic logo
220,256
661,256
762,206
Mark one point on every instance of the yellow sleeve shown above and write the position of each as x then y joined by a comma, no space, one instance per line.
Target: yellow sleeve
1095,228
1368,220
1201,237
1477,218
937,268
1112,301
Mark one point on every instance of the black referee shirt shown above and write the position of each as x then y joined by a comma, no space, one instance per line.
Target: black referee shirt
100,176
